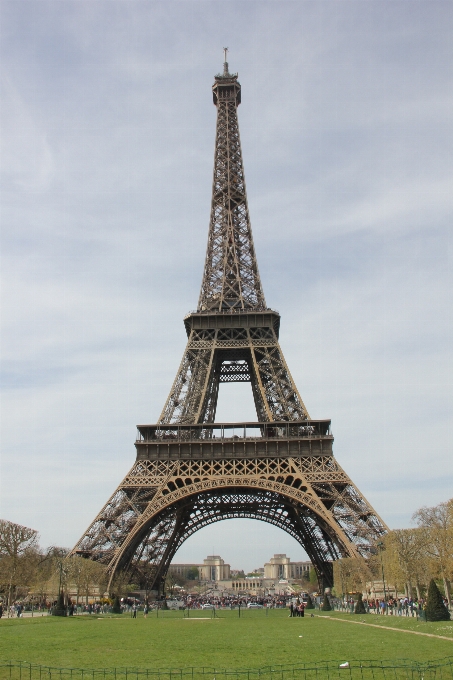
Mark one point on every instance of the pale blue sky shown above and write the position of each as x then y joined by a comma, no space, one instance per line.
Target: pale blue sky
107,148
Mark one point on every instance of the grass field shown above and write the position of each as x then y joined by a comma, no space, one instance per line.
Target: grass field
254,640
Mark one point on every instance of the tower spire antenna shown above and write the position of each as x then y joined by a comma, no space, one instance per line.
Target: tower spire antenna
225,61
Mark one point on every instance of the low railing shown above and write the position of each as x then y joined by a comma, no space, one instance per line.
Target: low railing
233,431
404,669
232,310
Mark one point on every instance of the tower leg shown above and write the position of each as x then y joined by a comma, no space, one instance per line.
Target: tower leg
173,543
326,577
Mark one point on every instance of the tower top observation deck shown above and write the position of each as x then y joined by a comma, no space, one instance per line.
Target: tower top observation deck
226,85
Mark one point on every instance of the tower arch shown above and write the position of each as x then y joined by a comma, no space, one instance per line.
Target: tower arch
160,504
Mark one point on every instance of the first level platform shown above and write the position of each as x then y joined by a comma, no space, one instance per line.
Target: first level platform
234,440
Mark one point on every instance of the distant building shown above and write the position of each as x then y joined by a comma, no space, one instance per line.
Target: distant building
275,578
376,590
212,569
187,571
248,585
278,569
281,567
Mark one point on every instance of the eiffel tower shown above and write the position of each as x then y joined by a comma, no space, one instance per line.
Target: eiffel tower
191,471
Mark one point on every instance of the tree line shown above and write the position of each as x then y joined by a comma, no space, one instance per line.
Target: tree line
27,572
406,560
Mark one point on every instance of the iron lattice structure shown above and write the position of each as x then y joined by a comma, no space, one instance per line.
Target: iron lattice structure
191,471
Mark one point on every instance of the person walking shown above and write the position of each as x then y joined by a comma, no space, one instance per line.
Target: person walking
145,611
134,611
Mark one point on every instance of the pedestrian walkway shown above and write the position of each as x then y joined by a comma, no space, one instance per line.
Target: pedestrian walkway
375,625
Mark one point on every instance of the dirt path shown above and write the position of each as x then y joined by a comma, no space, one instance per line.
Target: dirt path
399,630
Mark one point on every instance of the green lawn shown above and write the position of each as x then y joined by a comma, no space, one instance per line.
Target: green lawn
254,640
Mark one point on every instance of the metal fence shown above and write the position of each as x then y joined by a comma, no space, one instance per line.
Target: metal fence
328,670
208,613
218,612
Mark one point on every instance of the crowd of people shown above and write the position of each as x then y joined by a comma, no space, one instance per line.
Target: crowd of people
392,606
297,608
132,605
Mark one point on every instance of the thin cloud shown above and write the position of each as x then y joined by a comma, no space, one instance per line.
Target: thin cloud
108,132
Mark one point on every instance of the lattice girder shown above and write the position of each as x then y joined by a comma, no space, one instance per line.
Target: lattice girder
231,279
340,518
203,509
194,394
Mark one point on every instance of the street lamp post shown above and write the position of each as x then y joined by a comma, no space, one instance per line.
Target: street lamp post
381,548
60,554
61,574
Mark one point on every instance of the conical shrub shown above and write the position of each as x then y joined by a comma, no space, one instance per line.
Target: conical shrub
359,606
326,604
59,609
309,604
435,608
116,609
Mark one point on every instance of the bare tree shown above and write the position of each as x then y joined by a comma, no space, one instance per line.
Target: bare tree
52,568
86,575
351,574
437,525
171,581
405,559
16,542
